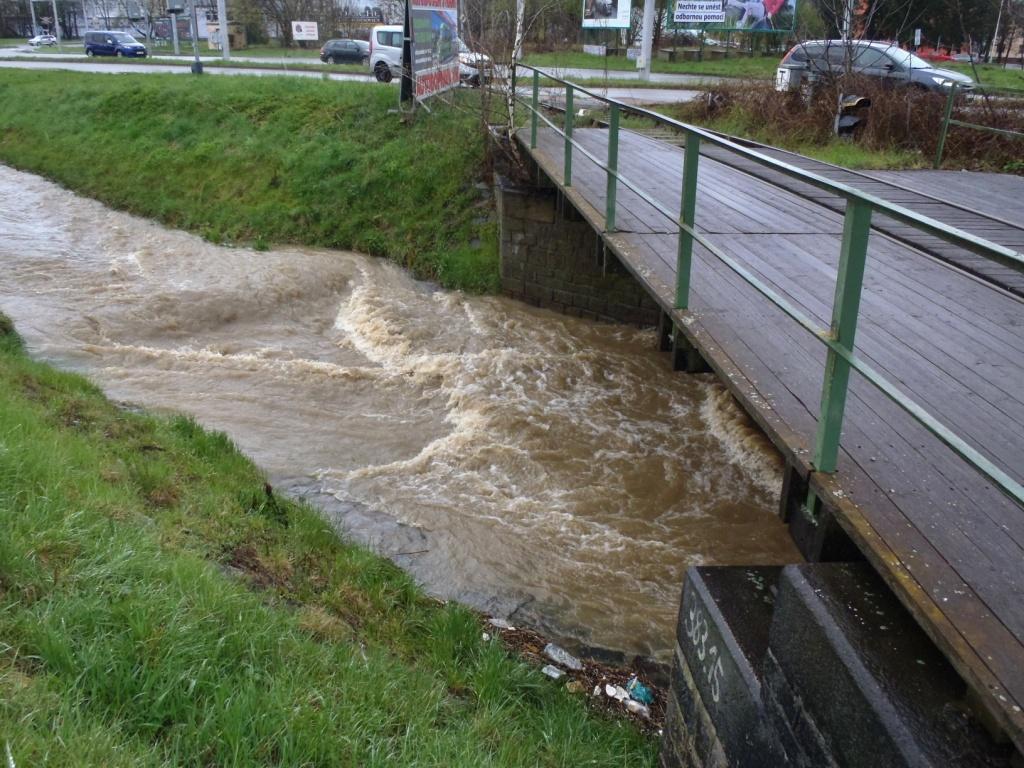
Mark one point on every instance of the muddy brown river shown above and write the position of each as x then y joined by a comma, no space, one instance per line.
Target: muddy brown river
530,464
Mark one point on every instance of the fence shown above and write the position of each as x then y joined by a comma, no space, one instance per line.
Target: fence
947,117
839,337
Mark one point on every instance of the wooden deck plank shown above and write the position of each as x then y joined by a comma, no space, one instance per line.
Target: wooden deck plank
948,542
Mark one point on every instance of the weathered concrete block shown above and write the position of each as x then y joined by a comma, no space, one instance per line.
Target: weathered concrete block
723,628
853,667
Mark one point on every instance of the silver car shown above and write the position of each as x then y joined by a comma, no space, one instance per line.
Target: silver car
885,61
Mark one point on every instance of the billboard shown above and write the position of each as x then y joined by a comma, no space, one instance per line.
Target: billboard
305,30
434,26
735,15
606,14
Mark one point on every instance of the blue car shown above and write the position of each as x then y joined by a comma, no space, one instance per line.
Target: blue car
113,44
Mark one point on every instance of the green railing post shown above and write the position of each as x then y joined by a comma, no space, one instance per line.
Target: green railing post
567,170
850,278
688,207
945,125
613,167
533,113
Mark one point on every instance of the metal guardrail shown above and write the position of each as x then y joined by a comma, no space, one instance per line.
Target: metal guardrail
947,120
839,337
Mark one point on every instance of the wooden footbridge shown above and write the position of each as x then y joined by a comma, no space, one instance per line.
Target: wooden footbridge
875,333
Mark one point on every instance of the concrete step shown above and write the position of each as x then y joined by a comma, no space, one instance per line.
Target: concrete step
851,680
716,717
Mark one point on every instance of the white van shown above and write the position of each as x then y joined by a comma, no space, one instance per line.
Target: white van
386,57
386,51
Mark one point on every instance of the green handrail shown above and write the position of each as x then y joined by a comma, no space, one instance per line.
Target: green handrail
839,338
947,120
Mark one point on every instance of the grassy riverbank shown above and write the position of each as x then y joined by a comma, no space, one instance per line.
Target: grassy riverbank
265,160
159,607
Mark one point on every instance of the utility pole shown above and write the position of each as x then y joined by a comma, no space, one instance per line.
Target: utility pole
56,24
995,36
32,10
647,39
174,32
222,16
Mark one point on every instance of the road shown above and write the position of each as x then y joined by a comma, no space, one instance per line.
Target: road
113,66
574,73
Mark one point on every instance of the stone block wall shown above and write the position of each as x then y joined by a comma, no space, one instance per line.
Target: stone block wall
552,258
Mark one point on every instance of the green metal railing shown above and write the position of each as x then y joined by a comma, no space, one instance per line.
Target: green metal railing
947,119
839,337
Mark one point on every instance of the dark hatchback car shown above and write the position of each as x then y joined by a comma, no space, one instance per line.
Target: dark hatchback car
113,44
338,51
885,61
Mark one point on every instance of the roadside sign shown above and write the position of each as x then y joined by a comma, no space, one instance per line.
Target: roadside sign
305,30
433,28
699,12
606,14
776,16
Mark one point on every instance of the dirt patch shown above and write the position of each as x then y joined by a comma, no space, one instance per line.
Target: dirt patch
261,574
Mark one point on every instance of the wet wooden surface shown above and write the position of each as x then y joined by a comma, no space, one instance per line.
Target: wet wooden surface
988,205
949,543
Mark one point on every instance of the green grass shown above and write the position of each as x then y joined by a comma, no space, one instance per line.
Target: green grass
759,67
612,82
266,160
302,65
12,42
278,51
990,74
158,608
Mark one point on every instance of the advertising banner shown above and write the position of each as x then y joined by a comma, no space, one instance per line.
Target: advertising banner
606,14
435,45
305,30
735,15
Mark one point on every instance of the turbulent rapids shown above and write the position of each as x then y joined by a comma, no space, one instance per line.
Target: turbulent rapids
508,457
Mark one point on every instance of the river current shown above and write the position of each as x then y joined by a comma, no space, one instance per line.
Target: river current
525,462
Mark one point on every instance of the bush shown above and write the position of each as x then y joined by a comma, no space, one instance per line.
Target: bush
907,119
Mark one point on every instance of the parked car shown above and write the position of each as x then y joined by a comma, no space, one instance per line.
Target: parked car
338,51
475,68
386,51
964,58
42,40
106,43
885,61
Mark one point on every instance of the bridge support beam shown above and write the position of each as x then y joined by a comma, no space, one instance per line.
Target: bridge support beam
816,533
685,356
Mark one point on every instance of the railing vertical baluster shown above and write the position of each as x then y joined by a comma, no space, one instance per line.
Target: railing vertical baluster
688,208
845,306
567,171
945,125
613,167
533,112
